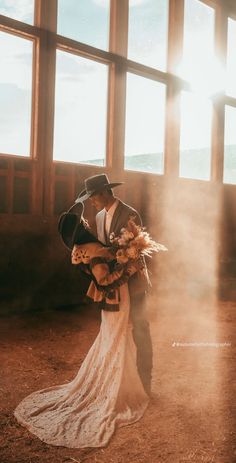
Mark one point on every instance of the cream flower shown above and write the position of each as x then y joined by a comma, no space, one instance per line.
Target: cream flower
112,236
126,235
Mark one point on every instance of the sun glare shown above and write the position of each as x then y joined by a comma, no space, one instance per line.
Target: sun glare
207,80
200,66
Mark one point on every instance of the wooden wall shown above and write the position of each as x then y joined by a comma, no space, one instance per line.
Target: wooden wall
196,220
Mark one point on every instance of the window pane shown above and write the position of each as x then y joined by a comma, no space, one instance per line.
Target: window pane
15,94
195,137
148,29
145,125
22,10
85,20
80,110
231,58
198,64
230,145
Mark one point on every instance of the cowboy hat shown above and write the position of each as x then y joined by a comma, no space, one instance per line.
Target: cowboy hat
95,184
72,229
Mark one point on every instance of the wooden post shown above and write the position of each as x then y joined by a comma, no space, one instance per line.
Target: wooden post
117,87
175,42
217,164
46,19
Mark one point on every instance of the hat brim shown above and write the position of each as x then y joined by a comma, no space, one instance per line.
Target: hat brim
68,225
83,195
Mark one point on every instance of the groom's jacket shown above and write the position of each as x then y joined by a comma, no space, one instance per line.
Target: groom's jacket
137,283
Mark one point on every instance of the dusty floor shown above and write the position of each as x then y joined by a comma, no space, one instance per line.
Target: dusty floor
192,416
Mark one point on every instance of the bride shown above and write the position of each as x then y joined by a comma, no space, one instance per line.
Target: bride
107,392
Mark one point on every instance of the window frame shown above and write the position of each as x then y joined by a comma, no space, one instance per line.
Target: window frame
46,41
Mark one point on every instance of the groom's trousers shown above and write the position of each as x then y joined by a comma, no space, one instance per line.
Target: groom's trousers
142,338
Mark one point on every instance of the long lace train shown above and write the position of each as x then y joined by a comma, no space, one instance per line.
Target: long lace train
107,392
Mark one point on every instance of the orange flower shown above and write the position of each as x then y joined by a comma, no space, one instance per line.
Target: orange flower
121,257
132,252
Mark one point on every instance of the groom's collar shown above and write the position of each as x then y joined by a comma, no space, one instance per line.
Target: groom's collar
113,207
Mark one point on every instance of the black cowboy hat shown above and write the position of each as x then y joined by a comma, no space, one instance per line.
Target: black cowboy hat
72,228
95,184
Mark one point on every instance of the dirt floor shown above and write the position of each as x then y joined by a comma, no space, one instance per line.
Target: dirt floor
191,416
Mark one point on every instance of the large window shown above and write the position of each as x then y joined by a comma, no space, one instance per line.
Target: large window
231,58
229,174
22,10
15,94
148,32
198,68
230,145
80,110
85,20
198,64
139,85
195,137
145,124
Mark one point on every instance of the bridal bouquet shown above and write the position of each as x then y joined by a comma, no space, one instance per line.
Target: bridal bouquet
133,243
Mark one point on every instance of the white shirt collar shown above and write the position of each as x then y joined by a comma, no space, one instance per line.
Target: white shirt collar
112,209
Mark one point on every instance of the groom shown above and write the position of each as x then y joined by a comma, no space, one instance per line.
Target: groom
112,216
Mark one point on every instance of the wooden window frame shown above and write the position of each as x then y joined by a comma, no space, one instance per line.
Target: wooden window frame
46,41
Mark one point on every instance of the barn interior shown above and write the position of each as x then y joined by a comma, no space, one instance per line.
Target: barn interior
144,91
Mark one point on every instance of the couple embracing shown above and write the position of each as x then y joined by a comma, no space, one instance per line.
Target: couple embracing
113,385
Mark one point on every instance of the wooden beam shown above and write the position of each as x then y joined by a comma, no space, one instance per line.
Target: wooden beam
175,45
217,160
19,28
117,86
85,50
46,19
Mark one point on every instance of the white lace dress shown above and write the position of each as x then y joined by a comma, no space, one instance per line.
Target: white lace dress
106,394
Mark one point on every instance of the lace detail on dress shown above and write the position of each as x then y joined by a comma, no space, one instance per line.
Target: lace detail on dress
106,394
